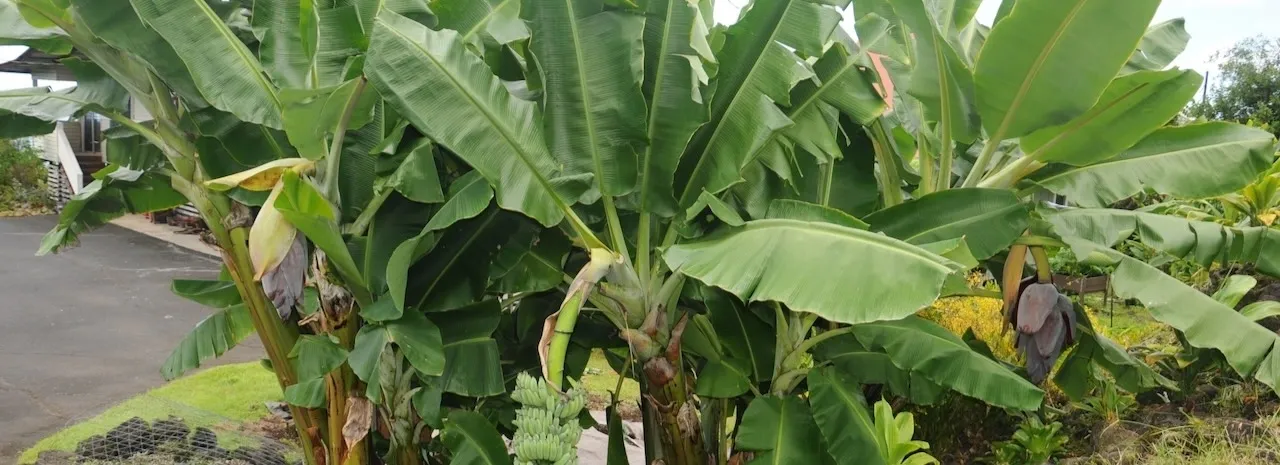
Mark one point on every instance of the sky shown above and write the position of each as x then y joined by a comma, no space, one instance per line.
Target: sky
1214,25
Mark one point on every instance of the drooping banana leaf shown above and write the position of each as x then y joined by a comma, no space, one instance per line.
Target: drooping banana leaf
1195,161
288,31
842,416
1247,346
473,440
922,346
1090,231
781,430
115,192
18,31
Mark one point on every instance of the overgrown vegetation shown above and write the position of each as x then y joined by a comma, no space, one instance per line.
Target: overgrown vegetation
459,196
22,181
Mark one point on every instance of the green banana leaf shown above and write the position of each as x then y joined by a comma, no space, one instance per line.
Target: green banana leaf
921,346
673,74
781,430
1162,43
842,416
1207,323
473,440
430,78
1050,60
780,266
593,110
757,70
940,80
989,220
1196,161
1132,107
227,74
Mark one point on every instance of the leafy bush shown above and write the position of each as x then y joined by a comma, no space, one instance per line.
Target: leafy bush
22,184
1034,443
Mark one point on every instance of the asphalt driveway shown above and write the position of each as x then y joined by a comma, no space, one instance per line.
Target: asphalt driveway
89,327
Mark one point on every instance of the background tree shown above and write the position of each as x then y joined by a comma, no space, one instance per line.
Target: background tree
1248,88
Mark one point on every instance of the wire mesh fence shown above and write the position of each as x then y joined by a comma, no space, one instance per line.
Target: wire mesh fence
168,432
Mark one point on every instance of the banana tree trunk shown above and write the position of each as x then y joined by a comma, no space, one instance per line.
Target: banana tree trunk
277,338
674,413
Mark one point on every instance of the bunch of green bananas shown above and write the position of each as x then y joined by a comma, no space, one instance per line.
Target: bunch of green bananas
547,429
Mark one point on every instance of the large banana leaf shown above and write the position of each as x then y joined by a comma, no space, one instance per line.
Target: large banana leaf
1050,60
18,31
836,272
859,365
1090,231
1196,161
744,337
1162,43
471,364
988,219
781,431
843,418
1076,378
224,70
473,440
1132,107
213,336
288,33
117,24
757,69
449,94
591,61
115,192
921,346
1247,346
940,79
32,112
469,195
416,336
673,72
499,19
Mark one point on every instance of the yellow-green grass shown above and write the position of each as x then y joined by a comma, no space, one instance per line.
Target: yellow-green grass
218,398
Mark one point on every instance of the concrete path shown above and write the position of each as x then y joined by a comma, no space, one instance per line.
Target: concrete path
88,328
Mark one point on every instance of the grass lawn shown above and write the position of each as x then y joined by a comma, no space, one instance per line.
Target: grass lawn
220,398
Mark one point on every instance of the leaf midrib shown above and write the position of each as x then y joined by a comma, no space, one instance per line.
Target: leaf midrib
507,136
869,238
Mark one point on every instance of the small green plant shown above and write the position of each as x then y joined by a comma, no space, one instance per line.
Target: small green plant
894,434
1033,443
1109,403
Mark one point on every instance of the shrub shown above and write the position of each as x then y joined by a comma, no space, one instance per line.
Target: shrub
22,184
